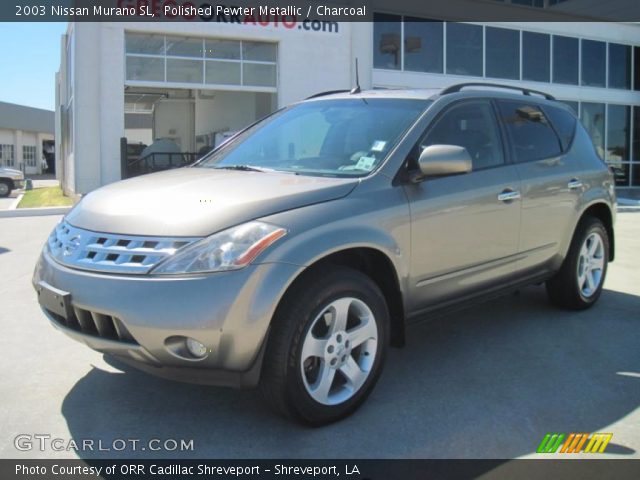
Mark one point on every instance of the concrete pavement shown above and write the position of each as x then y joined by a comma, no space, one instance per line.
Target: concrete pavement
488,382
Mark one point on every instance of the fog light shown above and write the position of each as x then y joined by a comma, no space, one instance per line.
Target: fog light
196,348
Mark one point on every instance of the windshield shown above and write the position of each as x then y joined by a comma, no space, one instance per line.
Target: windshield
346,137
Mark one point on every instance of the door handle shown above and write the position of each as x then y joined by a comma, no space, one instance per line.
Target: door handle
574,184
509,195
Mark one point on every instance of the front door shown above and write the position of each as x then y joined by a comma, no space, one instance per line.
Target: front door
465,228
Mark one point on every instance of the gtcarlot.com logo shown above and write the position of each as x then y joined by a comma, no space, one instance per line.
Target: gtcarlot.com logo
574,443
44,442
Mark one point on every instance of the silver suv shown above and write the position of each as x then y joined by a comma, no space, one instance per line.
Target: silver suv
10,179
292,256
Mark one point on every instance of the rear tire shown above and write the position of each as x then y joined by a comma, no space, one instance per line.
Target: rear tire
326,347
579,282
5,188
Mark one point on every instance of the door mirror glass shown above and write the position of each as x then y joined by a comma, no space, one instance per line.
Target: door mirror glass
439,160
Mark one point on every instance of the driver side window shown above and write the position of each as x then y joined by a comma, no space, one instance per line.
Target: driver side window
472,125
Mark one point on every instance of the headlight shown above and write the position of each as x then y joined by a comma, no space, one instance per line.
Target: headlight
227,250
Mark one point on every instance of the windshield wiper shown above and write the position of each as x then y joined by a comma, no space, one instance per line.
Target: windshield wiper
244,168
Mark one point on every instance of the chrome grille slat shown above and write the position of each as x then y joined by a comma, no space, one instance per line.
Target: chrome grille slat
113,253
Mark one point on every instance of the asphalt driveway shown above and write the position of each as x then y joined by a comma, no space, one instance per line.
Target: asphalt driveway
488,382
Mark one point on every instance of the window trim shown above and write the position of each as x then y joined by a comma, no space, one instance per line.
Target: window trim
555,129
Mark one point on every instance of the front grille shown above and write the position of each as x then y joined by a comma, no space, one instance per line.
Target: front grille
109,252
94,324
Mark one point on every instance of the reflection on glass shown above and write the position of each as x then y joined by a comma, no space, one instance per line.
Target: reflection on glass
184,47
223,49
225,73
386,41
258,74
594,69
423,45
592,117
619,66
565,60
145,68
503,53
144,43
185,71
536,56
259,51
464,49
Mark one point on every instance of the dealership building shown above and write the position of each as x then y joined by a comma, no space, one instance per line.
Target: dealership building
195,83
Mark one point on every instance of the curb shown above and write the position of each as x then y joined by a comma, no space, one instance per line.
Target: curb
34,212
15,203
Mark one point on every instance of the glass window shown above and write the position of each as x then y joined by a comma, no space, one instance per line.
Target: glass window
344,138
636,68
531,134
536,58
226,73
471,125
464,49
423,45
6,155
259,51
184,71
619,66
635,168
592,117
564,124
144,43
29,155
618,133
259,74
145,68
573,105
184,47
222,49
386,41
594,63
565,60
503,53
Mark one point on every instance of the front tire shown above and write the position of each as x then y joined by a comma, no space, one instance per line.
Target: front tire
326,346
579,282
5,188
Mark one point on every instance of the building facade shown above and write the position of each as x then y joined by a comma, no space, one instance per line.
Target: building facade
26,136
194,83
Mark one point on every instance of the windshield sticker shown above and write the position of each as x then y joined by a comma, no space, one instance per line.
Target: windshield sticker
365,163
378,146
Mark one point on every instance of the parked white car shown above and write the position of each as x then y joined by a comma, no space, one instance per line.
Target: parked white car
10,179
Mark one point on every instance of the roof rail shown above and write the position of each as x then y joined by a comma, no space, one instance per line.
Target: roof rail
525,91
328,92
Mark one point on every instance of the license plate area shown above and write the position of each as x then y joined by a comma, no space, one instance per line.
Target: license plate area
54,300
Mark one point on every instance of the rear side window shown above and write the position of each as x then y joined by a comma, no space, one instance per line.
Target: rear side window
531,134
564,123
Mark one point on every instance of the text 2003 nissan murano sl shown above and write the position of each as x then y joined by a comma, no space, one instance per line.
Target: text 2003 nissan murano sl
292,256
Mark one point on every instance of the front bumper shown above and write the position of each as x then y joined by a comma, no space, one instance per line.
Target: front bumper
229,312
18,184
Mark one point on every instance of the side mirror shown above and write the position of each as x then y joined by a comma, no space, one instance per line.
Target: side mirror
440,160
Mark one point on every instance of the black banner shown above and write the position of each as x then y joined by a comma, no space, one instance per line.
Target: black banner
582,469
305,10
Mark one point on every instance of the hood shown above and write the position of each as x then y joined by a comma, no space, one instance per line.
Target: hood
199,201
11,172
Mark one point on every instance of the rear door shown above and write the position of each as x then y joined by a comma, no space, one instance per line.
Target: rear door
464,228
540,136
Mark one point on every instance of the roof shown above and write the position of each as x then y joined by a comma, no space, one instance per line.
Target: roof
20,117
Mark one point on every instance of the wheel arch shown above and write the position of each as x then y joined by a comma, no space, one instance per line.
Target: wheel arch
602,212
376,265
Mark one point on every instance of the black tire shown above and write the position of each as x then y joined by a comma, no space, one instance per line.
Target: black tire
7,184
282,382
563,289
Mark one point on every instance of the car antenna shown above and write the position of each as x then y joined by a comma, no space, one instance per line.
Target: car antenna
357,88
